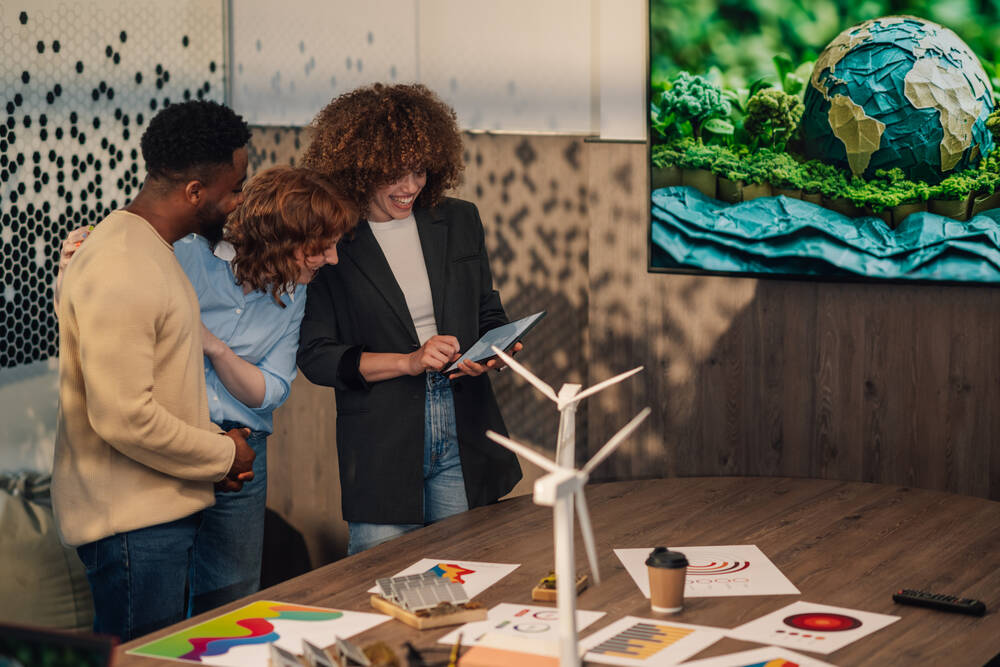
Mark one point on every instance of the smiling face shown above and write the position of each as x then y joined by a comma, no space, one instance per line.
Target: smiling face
310,264
395,200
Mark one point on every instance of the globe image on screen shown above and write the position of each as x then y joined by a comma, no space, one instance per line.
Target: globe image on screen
898,91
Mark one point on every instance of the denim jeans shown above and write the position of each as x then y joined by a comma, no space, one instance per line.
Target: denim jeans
444,485
138,577
225,561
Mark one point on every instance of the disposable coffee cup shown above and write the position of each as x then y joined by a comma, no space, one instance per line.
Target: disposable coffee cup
667,572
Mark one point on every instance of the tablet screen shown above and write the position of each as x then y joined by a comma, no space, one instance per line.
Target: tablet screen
502,337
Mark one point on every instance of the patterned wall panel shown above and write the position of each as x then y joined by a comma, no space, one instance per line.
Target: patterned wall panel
290,58
80,81
519,65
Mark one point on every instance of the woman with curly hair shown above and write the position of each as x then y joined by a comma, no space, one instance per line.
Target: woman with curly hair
251,289
412,290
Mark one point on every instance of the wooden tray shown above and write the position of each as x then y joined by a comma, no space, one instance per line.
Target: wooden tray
427,622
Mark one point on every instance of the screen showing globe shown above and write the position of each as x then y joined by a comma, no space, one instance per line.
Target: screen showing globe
825,140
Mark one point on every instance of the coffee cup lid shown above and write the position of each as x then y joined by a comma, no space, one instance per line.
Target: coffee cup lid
663,557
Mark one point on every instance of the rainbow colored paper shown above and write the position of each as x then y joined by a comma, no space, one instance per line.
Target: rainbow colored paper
241,637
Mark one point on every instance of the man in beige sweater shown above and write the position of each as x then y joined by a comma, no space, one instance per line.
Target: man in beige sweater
136,454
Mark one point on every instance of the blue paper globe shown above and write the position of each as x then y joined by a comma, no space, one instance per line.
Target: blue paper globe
898,91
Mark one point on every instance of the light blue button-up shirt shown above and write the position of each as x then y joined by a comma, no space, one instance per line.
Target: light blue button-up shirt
252,325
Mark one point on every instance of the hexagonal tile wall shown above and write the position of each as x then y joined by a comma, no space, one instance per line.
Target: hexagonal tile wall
80,81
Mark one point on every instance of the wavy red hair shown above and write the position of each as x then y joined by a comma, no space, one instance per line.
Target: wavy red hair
285,210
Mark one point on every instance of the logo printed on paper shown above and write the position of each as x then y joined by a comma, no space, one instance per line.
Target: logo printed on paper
822,622
724,567
451,572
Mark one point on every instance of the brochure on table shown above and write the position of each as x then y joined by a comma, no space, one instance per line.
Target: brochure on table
242,637
768,656
716,571
536,624
474,576
808,626
648,641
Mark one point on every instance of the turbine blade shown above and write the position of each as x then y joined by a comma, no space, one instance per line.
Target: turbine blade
616,440
523,450
588,533
527,375
590,391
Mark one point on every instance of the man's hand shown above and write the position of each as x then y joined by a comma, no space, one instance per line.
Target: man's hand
242,468
437,352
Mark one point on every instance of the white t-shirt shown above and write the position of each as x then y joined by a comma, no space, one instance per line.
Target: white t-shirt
400,244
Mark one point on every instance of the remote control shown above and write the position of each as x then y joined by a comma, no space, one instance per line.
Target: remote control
940,602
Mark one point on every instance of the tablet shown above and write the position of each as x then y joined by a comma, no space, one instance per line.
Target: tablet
502,337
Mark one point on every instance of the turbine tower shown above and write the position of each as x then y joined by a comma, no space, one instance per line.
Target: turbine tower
562,489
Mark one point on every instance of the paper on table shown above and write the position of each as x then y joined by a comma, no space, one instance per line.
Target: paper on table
487,656
520,621
768,655
716,571
646,641
223,640
809,626
474,576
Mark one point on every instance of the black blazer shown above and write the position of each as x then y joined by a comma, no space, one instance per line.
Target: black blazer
357,305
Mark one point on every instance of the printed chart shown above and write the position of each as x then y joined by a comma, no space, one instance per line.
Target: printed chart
716,571
528,628
644,641
475,577
769,656
812,627
241,638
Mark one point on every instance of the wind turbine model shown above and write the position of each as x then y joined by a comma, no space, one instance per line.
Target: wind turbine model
561,487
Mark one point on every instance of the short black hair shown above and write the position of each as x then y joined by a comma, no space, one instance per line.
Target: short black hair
188,139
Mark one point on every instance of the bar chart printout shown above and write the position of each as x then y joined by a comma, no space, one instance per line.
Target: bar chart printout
641,641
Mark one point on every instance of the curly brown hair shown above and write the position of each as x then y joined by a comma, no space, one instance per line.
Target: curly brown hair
285,210
374,136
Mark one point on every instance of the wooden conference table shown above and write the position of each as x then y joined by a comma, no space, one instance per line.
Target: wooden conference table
841,543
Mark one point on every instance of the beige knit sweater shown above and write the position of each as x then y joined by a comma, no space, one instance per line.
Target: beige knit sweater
135,445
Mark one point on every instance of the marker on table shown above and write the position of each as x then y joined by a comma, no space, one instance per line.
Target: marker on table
453,658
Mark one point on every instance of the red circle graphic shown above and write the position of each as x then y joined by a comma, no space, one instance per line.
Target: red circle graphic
822,622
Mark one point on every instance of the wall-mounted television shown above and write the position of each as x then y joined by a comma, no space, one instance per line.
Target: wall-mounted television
835,140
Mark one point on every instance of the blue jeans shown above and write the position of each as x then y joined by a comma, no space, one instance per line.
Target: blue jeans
444,485
138,577
225,561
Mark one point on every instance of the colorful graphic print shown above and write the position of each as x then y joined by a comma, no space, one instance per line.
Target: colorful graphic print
716,567
245,626
822,622
641,640
777,662
451,572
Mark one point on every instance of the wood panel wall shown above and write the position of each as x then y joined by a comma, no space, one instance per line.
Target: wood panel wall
892,383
